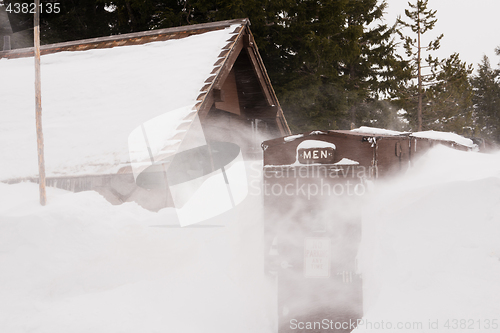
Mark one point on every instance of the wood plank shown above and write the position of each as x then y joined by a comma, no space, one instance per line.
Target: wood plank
215,70
228,96
260,76
205,106
126,39
228,63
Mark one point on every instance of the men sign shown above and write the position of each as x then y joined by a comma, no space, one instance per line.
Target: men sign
316,155
315,151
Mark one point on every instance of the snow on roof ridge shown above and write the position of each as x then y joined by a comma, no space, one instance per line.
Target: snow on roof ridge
292,137
444,136
219,64
141,38
377,131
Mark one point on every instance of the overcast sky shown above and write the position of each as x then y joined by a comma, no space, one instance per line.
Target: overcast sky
470,27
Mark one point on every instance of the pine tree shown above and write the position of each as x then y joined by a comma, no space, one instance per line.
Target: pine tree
421,21
338,62
330,61
487,100
139,15
449,99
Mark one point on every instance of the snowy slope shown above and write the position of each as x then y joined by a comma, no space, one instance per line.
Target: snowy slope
430,252
82,265
92,100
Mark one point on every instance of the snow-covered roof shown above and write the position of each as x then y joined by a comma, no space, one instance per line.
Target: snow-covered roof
434,135
444,136
92,100
311,144
292,137
376,131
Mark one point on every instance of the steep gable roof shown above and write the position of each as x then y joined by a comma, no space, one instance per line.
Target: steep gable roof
93,99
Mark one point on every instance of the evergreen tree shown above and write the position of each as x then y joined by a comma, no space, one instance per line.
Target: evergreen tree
487,100
336,63
421,20
330,61
139,15
77,19
449,100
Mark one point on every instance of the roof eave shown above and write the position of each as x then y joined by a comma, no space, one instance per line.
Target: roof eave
134,38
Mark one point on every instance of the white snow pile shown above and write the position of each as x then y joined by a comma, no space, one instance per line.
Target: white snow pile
445,136
376,131
81,265
92,100
430,252
311,144
346,161
292,137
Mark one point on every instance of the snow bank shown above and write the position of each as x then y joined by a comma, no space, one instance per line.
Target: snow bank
346,161
445,136
82,265
430,252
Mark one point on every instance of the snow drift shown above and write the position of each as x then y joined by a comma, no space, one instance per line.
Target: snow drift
80,264
429,253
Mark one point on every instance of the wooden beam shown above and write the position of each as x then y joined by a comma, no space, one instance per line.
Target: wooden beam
228,63
135,38
256,59
38,107
248,40
205,107
282,124
258,71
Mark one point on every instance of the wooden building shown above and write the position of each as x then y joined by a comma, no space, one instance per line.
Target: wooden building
382,152
313,186
379,154
95,92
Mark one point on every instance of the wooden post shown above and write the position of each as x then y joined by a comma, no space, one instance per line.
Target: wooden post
38,103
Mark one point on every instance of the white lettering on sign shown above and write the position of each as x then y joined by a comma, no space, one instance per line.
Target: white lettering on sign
318,155
316,257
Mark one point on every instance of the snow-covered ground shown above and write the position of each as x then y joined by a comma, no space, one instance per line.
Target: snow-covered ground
430,252
80,264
